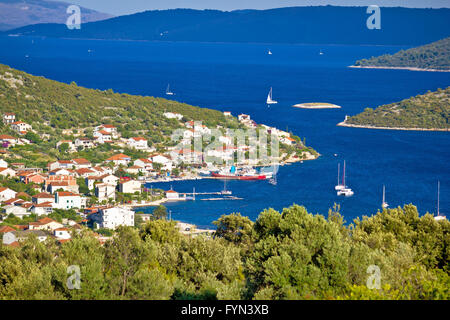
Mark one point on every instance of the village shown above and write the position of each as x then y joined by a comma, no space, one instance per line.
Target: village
105,195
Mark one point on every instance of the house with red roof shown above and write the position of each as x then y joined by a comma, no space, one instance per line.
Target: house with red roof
119,159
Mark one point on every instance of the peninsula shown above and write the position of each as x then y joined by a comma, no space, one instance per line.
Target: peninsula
431,57
427,112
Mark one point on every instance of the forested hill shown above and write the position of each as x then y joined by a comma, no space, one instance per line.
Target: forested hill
314,25
435,56
427,111
53,106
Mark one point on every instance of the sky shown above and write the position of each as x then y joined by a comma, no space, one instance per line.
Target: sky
121,7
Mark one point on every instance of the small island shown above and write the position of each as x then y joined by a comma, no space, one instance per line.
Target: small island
431,57
316,105
427,112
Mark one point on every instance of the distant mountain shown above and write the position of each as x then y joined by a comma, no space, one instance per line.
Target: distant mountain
434,56
314,25
19,13
429,111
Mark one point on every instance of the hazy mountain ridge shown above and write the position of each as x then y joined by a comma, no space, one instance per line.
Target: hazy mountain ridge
315,25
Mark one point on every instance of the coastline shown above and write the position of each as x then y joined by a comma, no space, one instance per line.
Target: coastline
344,124
399,68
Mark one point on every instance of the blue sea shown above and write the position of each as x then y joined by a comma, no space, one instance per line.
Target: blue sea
237,77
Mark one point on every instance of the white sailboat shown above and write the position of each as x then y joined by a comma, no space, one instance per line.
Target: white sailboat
269,52
320,53
438,215
345,191
384,204
168,92
225,191
269,98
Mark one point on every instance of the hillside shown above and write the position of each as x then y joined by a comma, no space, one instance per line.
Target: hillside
435,56
427,111
314,25
19,13
58,111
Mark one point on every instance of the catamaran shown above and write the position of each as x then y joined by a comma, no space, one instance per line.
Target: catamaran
269,98
438,215
384,204
344,191
168,92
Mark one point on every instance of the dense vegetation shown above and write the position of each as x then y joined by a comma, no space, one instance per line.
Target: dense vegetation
435,55
305,24
287,255
427,111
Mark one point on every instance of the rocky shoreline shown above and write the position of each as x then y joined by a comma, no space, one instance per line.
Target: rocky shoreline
399,68
344,124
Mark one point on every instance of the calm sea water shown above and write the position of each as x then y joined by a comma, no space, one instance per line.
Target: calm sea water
237,78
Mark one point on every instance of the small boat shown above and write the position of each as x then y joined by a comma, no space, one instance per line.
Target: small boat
384,204
238,176
438,216
269,52
320,53
269,98
343,190
168,92
225,191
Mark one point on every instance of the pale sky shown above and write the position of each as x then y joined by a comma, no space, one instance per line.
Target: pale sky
121,7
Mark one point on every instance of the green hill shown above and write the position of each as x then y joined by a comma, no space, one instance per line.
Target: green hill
435,56
427,111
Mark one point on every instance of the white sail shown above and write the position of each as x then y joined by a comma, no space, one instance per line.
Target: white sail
168,92
269,98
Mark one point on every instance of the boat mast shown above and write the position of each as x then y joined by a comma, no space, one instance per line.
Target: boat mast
439,184
339,167
383,193
343,176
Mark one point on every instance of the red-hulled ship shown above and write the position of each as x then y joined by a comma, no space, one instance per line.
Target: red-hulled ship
238,177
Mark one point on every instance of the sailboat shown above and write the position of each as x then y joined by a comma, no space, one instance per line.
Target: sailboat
320,53
269,98
269,52
345,191
273,181
438,215
225,191
339,186
384,204
168,92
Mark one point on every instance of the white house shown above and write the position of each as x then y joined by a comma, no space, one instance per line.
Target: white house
17,211
20,127
62,233
172,115
104,191
113,217
144,163
130,186
6,194
67,200
227,113
106,130
7,172
42,208
85,143
3,164
160,159
42,197
9,117
119,159
172,195
138,143
106,178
